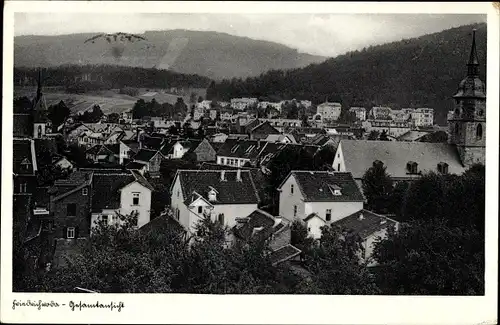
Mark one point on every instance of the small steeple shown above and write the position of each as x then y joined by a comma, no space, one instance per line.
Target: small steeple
39,86
473,64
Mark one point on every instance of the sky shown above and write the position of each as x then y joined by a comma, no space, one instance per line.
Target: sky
320,34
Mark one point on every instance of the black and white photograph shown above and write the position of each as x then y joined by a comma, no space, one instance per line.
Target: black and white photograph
213,153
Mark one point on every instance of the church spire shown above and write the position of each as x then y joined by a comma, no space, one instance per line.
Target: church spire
39,86
473,64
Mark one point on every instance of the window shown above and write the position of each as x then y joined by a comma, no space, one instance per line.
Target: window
328,214
479,132
294,210
412,167
200,209
135,198
480,113
25,164
115,218
291,188
443,168
23,187
71,210
104,219
338,167
221,218
222,161
70,232
456,128
85,191
177,213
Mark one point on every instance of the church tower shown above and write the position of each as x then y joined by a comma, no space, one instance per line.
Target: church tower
41,122
467,124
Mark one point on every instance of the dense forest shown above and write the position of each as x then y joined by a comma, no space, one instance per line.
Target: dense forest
207,53
418,72
93,77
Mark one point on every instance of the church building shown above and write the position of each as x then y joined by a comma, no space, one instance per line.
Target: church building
406,161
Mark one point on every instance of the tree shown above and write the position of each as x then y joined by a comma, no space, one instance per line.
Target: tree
305,120
200,99
300,237
187,130
58,114
201,132
139,110
435,137
92,116
336,266
431,258
377,187
383,136
173,130
113,118
179,106
139,261
373,135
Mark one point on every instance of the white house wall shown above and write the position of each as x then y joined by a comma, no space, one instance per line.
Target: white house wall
288,200
338,162
339,209
144,207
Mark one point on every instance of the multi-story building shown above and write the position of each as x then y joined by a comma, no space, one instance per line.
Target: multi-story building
380,113
241,104
329,111
423,117
360,113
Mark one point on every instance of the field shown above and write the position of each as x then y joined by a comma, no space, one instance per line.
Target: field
110,101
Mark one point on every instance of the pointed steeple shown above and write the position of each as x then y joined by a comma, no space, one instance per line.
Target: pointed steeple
473,64
39,86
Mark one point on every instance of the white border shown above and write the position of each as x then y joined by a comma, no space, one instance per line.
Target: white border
296,309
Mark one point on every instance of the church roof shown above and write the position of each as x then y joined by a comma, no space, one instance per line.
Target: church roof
472,86
359,155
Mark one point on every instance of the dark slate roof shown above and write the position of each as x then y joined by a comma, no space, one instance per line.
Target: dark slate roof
94,150
135,165
367,225
256,219
71,182
106,189
132,144
162,223
145,155
359,155
283,254
153,143
22,154
142,180
22,125
249,149
229,191
114,148
264,127
316,186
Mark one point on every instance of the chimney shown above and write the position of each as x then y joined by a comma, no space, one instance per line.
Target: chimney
223,176
238,175
361,217
258,144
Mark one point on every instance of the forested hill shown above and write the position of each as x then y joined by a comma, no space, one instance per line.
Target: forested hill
422,72
108,76
211,54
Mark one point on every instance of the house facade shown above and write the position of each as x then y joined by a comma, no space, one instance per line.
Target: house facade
329,110
224,195
329,195
123,193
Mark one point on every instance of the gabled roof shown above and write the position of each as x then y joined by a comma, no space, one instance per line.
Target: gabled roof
135,165
74,182
249,149
280,137
359,155
284,254
365,226
230,191
256,219
141,180
145,155
266,127
314,215
106,189
153,143
316,186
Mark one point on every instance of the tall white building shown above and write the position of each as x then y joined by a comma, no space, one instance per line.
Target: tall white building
360,113
329,111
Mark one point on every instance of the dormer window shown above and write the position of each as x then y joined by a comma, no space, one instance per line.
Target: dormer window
443,168
25,164
212,195
412,167
335,189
